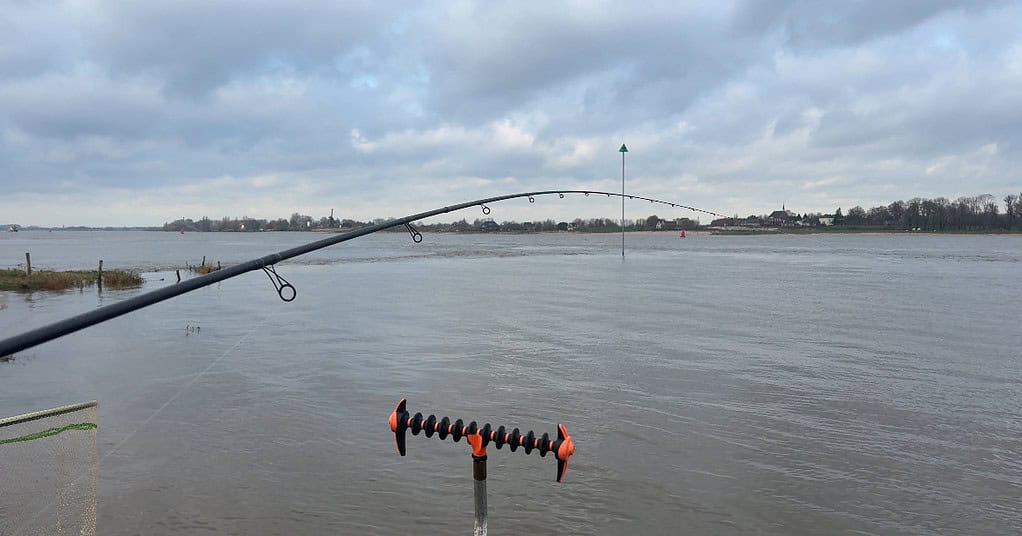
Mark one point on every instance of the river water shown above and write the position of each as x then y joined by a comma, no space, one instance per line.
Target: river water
787,385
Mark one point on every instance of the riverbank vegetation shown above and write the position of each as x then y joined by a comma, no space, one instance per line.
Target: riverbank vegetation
979,214
976,214
299,222
50,280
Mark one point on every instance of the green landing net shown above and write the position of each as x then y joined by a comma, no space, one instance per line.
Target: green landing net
48,472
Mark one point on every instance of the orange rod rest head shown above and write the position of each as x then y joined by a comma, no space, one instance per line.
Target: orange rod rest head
398,424
476,440
564,451
393,421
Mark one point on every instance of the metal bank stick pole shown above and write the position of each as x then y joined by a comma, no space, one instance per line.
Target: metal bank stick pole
478,482
478,437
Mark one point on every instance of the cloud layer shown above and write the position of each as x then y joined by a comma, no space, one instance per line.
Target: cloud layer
138,112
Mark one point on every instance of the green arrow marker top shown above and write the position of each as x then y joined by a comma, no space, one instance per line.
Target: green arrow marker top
623,149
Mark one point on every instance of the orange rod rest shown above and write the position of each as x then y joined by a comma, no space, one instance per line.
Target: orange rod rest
479,437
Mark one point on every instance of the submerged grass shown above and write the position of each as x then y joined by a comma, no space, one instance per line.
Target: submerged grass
205,268
121,279
49,280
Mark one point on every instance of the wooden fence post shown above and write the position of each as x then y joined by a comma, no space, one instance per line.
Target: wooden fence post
99,275
28,264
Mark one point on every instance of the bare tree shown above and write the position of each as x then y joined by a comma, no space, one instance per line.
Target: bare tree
1011,209
856,216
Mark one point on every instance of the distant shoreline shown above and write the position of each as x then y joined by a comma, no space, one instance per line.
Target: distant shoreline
693,232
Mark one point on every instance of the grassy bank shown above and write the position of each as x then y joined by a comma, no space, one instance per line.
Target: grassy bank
49,280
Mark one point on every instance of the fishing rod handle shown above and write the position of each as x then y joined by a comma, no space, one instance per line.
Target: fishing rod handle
480,436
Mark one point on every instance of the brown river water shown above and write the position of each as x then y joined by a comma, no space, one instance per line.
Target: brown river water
772,385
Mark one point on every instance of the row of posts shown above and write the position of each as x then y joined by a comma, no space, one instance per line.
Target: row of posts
28,266
99,275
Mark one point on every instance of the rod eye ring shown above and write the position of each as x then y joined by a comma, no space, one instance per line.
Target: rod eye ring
486,209
532,199
587,194
416,235
562,196
279,284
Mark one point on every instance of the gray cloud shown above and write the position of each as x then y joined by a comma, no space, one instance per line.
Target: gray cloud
808,26
194,47
237,107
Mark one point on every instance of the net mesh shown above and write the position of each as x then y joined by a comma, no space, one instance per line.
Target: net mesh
48,472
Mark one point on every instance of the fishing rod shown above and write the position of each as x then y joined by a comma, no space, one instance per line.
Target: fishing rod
284,288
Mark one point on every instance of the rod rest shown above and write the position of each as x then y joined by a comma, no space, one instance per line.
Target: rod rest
479,437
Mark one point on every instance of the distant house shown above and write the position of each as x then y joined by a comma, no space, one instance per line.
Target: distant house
489,226
826,220
784,217
562,226
751,221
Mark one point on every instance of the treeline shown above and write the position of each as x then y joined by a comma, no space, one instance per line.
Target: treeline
297,222
978,213
477,225
301,222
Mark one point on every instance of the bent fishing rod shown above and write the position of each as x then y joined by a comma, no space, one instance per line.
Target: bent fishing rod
285,290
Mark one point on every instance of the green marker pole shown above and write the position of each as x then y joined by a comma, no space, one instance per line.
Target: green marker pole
623,150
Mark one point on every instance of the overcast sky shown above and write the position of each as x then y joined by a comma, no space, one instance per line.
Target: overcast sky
137,113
